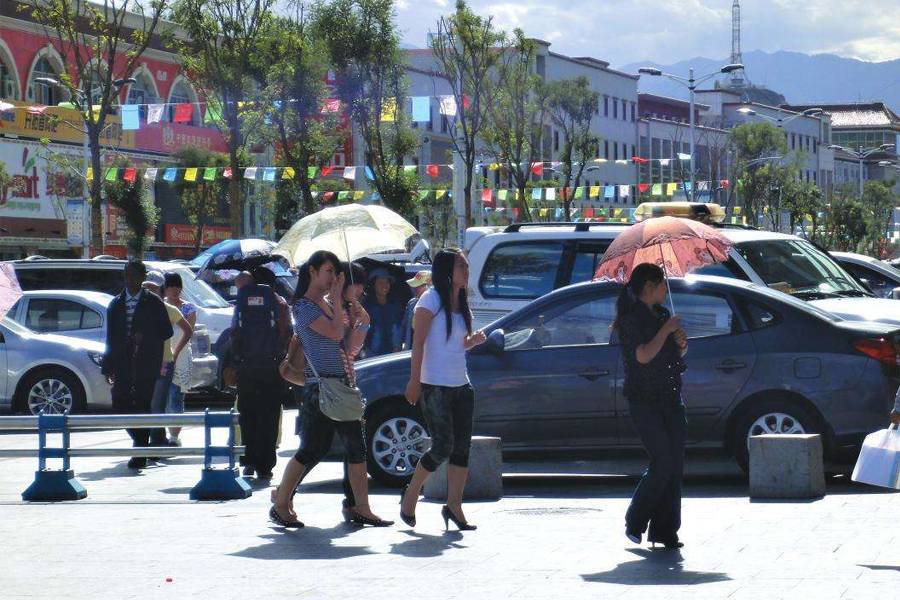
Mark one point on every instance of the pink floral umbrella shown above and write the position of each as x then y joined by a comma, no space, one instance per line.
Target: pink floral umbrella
10,292
677,245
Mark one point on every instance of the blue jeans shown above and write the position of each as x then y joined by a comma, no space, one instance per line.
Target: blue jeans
158,403
657,499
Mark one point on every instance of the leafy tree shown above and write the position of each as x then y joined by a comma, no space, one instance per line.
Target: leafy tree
573,105
200,198
846,221
363,43
295,64
761,181
468,48
219,54
101,42
141,215
517,110
878,203
803,201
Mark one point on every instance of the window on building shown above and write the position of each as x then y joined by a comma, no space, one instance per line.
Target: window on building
793,141
141,93
541,66
556,141
181,94
430,125
624,110
445,124
606,149
633,153
42,93
605,106
615,103
615,150
633,111
7,81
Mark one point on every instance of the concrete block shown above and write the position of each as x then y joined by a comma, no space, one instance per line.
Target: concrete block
786,466
485,472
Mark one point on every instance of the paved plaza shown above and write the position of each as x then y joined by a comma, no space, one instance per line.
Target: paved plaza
138,536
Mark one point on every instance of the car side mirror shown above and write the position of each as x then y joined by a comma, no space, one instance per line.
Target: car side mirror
496,341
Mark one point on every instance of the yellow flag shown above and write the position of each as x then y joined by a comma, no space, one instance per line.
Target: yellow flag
438,194
190,174
358,195
288,173
544,212
90,173
493,167
670,189
389,109
594,191
95,109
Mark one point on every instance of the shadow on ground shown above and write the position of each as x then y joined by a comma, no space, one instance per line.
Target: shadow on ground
308,543
660,567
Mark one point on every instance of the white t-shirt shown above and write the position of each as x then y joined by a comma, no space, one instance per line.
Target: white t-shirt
444,361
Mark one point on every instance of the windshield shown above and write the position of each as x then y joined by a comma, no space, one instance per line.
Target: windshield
198,292
798,268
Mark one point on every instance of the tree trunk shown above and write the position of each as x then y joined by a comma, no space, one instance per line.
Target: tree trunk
235,195
96,194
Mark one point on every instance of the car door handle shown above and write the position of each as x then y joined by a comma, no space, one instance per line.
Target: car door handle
729,366
594,374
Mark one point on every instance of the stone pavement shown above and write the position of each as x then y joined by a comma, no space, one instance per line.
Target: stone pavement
138,536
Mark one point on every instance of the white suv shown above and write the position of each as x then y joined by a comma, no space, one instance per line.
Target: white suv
510,267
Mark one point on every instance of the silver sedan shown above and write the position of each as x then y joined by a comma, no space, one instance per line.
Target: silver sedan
49,372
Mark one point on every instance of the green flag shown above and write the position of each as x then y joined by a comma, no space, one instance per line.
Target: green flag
209,174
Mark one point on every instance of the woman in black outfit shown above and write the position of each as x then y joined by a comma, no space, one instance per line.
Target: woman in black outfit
653,347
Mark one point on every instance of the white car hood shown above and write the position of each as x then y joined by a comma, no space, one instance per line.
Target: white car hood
881,310
216,320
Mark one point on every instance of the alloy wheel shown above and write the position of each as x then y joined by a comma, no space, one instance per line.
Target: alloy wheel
50,395
776,423
398,444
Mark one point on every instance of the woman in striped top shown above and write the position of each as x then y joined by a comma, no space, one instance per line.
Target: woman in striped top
326,331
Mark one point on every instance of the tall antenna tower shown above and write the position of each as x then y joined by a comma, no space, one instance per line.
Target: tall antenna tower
737,77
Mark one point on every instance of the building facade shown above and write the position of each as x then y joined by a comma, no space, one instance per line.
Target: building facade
45,210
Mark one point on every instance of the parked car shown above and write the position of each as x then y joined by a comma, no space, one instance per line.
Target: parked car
511,266
83,315
549,379
880,277
49,372
108,276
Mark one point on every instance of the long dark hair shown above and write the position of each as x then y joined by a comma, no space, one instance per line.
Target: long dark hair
315,261
630,295
353,273
442,280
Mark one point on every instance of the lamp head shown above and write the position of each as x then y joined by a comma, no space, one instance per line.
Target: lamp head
732,68
46,81
650,71
885,146
126,81
812,111
746,111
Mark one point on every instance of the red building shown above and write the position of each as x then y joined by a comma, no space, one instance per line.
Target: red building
44,211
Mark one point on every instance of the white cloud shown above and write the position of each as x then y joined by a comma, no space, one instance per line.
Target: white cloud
623,31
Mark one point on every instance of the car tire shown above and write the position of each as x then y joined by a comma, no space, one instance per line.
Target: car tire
771,416
395,440
60,390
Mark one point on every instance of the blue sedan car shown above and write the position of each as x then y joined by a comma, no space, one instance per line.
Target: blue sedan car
549,378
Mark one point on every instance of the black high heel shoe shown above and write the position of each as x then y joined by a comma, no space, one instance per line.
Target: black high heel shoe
668,545
279,520
460,524
410,520
351,516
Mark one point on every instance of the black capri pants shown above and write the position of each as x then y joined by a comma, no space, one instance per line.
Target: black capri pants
317,432
448,413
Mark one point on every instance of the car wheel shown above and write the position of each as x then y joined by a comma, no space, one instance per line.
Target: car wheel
395,441
53,391
773,417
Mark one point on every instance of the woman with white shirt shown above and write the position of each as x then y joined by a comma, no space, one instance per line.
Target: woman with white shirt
442,335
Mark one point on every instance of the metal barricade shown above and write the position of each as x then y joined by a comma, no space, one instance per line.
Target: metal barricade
61,484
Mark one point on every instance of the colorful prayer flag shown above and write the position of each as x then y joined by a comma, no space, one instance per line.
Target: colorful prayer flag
169,174
213,114
421,108
331,105
90,174
183,111
287,173
154,113
131,117
594,191
501,195
209,174
190,174
550,194
150,174
358,195
350,173
624,191
269,174
670,189
609,191
311,172
410,168
227,173
369,174
656,190
432,171
536,193
130,174
388,110
643,187
250,173
326,170
36,110
537,168
448,105
112,174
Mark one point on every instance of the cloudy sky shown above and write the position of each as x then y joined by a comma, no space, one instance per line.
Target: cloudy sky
666,31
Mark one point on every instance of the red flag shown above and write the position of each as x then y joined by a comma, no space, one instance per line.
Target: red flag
327,197
487,198
537,168
588,213
724,184
515,212
130,174
36,110
326,170
566,193
331,105
466,102
432,170
639,160
227,173
183,111
643,187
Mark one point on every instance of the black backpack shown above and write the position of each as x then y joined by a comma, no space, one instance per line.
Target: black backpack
255,339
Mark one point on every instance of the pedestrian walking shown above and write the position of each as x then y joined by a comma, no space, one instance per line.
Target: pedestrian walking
137,327
653,347
181,380
419,285
442,335
328,336
172,351
257,349
386,314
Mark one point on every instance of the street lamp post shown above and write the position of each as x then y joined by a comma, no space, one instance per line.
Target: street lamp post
84,103
691,83
779,121
860,154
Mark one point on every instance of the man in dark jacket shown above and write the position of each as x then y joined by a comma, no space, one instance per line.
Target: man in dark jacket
137,327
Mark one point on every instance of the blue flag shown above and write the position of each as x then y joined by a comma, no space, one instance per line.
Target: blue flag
130,117
421,108
269,174
369,174
169,175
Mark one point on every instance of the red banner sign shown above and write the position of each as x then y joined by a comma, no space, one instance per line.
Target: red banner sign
187,234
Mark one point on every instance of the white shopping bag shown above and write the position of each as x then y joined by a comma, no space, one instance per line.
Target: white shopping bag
879,459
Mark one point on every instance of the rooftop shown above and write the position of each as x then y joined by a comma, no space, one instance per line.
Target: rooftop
647,97
855,115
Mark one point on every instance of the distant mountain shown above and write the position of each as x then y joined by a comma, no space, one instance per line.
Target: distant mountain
801,78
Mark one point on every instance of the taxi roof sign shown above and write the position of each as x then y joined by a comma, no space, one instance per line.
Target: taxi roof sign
706,212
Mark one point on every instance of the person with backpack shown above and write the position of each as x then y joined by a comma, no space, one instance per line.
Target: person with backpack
329,335
258,346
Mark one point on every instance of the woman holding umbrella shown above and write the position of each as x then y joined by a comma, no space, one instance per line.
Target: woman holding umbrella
653,349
